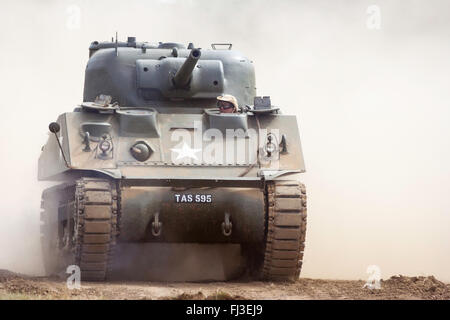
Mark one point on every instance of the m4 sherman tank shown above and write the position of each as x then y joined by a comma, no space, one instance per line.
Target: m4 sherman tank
148,157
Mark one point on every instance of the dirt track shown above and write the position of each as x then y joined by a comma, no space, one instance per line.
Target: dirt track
14,286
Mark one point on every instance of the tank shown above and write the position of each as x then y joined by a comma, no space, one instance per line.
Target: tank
148,158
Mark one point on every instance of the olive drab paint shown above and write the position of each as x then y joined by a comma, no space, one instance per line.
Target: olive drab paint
182,171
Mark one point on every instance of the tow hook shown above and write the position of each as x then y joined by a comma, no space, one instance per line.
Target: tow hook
227,226
156,226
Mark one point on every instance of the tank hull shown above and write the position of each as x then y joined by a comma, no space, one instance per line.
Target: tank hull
84,221
191,214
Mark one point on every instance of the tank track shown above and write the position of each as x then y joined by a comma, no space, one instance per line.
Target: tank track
93,207
286,230
96,227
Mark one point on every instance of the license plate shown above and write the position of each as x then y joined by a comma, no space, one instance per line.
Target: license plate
193,198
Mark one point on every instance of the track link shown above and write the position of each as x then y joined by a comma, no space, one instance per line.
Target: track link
286,230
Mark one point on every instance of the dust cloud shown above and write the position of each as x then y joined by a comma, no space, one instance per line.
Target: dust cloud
373,108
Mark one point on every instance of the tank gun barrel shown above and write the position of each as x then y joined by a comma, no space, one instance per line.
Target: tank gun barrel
183,75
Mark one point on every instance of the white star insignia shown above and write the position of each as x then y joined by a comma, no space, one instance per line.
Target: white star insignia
185,152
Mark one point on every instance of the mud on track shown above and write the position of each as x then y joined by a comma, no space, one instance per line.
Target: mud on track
15,286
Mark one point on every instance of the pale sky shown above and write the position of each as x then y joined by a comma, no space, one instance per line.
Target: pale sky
373,107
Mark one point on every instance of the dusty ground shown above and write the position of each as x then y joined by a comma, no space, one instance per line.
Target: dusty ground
15,286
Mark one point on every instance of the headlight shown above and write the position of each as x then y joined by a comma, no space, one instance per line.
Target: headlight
105,146
271,146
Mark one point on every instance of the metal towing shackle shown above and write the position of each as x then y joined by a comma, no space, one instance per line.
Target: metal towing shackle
227,226
156,226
